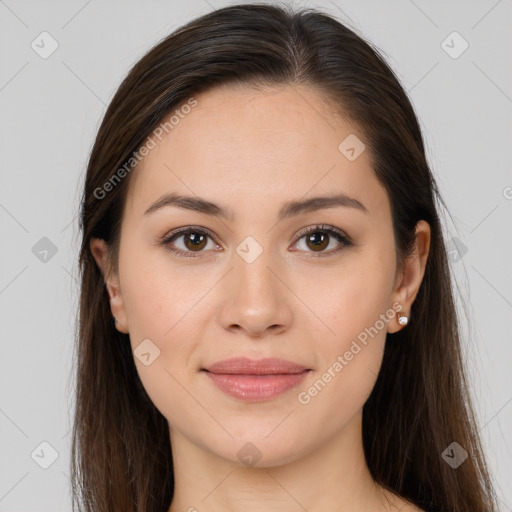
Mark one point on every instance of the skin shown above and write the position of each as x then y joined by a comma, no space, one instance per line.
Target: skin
251,151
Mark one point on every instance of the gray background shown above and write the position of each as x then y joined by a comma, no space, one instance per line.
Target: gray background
51,109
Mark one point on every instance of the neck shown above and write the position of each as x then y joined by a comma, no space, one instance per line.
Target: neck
333,476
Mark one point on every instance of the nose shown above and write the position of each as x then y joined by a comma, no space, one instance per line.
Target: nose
255,298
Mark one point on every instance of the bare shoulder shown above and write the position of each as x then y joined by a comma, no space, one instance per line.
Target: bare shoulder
410,507
400,504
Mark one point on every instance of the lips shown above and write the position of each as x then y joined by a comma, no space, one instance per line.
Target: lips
255,380
246,366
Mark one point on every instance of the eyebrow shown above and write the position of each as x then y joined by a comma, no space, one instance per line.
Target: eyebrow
289,209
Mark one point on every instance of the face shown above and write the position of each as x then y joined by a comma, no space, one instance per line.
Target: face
311,286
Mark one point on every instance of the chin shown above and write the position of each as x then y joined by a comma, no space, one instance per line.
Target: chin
254,449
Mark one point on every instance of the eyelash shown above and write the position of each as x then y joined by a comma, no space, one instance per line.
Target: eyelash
330,230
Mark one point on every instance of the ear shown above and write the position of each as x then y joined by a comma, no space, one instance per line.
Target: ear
100,252
410,279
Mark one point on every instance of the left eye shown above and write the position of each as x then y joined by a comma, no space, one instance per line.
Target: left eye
317,238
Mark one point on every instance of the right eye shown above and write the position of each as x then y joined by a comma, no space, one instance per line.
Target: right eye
194,241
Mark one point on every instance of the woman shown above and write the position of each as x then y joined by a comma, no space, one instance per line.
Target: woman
260,221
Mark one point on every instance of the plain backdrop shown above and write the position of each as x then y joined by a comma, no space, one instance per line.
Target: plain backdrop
51,106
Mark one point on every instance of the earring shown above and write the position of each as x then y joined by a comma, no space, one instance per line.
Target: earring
115,321
402,319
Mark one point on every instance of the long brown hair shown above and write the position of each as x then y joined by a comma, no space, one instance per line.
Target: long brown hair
420,404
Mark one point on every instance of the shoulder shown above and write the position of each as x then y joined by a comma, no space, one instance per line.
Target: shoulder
410,507
398,503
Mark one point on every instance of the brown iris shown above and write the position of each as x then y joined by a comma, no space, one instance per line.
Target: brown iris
196,240
319,239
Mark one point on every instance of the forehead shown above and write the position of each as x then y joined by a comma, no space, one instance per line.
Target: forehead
239,146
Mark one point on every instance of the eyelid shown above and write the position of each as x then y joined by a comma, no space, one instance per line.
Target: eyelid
323,227
186,229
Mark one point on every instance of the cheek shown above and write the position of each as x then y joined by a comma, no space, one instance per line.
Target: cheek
350,357
356,311
349,298
159,298
159,305
353,349
338,393
166,304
